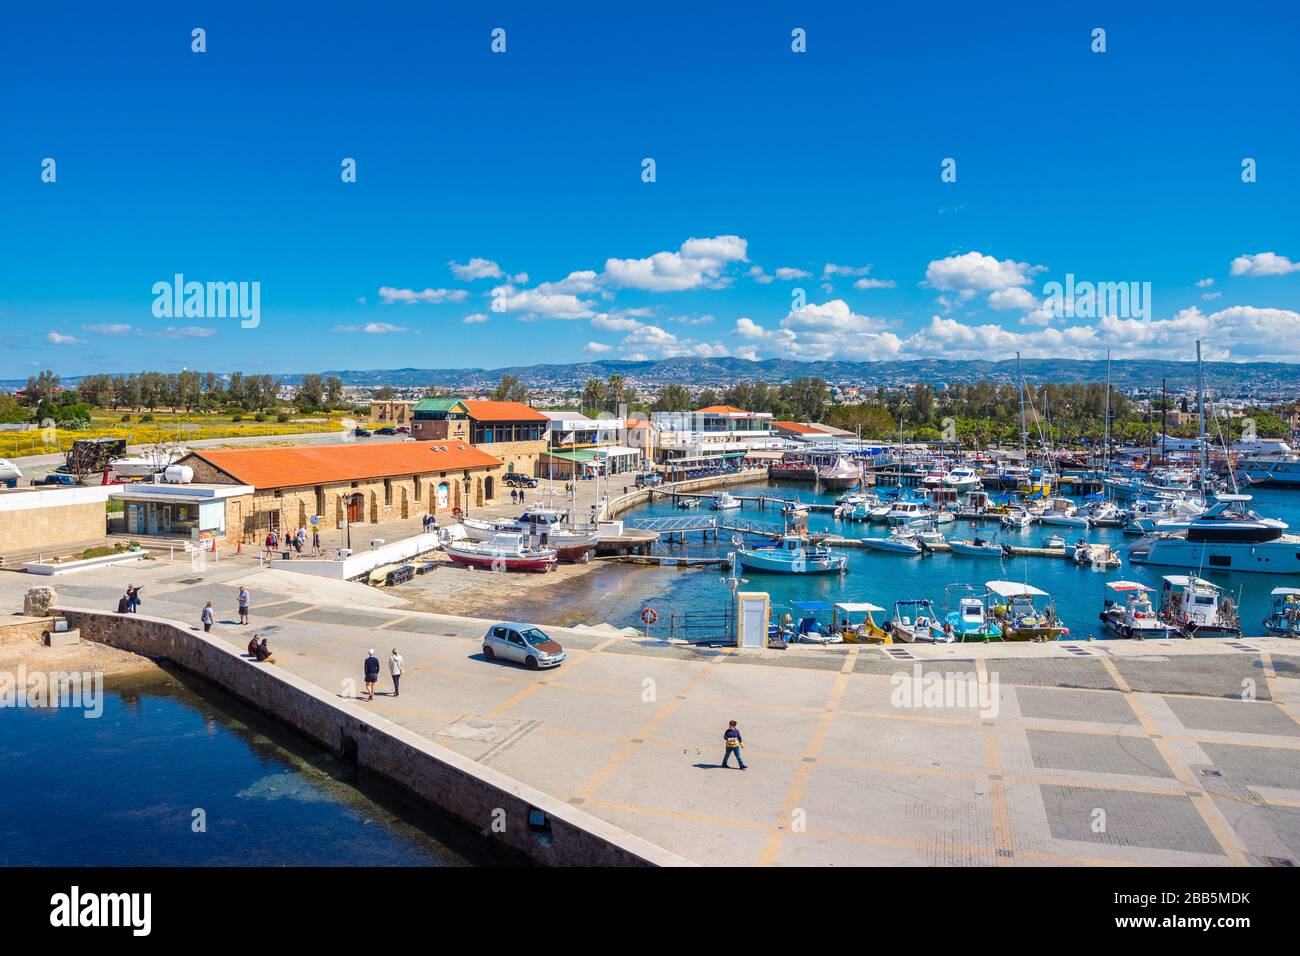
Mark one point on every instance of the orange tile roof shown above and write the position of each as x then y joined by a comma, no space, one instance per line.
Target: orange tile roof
484,411
796,427
266,468
723,410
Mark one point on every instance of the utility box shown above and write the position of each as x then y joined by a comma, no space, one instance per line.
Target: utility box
753,609
63,638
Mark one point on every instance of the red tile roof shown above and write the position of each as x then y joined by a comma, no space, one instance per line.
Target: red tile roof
266,468
484,411
797,428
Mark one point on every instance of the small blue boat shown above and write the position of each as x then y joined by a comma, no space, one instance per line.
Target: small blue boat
793,554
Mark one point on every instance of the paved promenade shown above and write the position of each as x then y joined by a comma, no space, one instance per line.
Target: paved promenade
1112,753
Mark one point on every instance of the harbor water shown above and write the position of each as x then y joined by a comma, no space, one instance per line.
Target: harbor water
882,578
176,773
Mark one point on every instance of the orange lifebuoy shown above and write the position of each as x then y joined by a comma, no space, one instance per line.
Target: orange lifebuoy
649,616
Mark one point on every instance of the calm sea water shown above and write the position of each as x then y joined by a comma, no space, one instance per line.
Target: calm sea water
883,578
121,790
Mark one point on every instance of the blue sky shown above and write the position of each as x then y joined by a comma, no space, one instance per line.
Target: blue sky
1123,166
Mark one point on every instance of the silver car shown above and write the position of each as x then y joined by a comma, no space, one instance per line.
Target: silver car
522,643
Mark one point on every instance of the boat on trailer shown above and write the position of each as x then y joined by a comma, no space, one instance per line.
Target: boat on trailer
506,551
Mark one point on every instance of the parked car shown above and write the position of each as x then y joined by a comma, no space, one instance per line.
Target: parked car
54,478
386,430
403,429
361,432
519,480
649,479
523,644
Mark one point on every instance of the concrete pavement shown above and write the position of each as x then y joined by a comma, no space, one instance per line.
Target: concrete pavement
1114,753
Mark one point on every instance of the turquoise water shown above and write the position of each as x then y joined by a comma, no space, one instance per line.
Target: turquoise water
882,578
121,790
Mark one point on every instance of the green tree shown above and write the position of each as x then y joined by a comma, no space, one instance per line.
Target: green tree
510,389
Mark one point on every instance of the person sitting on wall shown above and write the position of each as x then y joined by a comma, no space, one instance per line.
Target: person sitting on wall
124,604
253,645
264,653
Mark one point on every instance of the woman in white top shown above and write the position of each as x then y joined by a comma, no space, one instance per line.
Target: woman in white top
395,667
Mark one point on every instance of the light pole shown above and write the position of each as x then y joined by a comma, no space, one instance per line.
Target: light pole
465,483
346,498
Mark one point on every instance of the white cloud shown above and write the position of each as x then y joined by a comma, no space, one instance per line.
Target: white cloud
1210,296
58,338
976,271
699,262
758,275
475,318
747,328
1263,264
476,269
875,284
831,269
1012,298
1202,283
599,348
790,274
551,305
575,283
409,296
116,328
372,328
188,332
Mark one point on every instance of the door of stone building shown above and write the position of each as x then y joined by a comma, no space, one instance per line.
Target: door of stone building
356,508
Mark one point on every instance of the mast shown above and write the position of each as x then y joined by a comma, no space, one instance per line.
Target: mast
1105,447
1024,432
1200,406
1164,417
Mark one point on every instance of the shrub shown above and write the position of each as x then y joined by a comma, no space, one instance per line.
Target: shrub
259,417
146,417
282,418
236,418
126,418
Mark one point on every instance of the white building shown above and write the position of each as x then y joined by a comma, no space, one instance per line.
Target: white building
583,447
711,436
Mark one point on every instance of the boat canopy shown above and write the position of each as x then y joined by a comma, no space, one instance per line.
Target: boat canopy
1010,589
1127,586
1277,591
812,606
859,608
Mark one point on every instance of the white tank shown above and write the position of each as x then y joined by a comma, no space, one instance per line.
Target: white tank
178,474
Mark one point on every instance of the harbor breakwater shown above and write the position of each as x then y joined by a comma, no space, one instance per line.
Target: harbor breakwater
539,827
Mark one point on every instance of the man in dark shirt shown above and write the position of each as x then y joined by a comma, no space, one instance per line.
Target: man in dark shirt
732,739
372,673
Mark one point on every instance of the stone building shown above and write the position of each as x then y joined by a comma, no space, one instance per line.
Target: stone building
511,431
360,484
391,413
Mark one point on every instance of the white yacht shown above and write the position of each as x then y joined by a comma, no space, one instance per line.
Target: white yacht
1062,512
722,501
9,472
1227,537
963,479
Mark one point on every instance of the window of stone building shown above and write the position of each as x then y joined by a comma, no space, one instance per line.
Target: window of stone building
388,492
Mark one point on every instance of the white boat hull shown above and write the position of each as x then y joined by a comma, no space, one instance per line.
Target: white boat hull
1281,556
888,544
1064,521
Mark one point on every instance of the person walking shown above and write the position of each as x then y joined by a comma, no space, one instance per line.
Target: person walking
133,595
371,674
244,601
315,539
206,616
733,743
269,544
395,667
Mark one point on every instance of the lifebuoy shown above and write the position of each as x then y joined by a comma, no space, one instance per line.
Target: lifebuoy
649,616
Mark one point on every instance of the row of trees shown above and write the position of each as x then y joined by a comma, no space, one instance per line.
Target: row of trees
187,391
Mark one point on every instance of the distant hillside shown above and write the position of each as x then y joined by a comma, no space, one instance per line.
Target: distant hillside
1255,376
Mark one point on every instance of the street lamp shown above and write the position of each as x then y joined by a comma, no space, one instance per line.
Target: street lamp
465,483
347,522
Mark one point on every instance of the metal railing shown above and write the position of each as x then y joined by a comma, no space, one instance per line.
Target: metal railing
702,627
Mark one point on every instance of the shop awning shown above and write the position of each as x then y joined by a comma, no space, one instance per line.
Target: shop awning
579,455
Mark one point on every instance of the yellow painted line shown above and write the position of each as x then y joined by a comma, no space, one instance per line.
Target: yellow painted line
1075,860
645,733
1115,675
554,675
1274,689
849,660
1227,840
771,851
921,718
394,621
301,610
900,842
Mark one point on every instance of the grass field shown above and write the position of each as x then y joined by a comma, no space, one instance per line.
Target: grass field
164,428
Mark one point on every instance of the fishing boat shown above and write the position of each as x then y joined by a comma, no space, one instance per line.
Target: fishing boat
840,475
543,528
881,512
1128,613
1023,612
915,622
977,548
1018,519
688,502
1198,608
1284,615
862,631
903,513
899,542
793,554
970,620
721,501
504,552
810,629
1055,542
1090,555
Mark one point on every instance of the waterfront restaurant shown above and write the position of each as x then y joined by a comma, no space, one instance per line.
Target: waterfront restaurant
350,482
583,447
711,436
